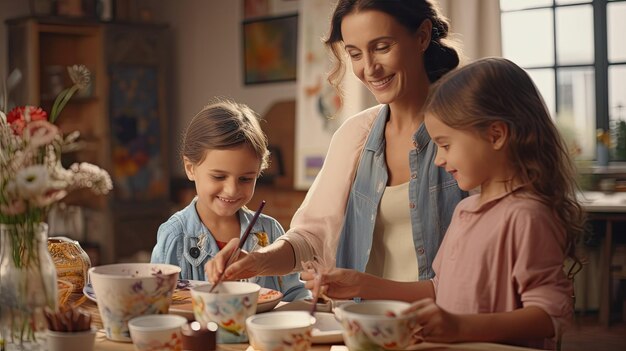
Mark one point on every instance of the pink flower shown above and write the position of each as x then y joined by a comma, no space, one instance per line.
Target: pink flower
49,197
40,133
20,116
13,208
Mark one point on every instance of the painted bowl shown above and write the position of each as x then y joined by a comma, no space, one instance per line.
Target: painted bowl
228,305
281,331
370,325
157,332
129,290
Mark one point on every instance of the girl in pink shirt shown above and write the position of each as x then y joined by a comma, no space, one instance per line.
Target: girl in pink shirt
499,273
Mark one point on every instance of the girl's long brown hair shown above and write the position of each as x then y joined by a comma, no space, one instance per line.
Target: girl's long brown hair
497,90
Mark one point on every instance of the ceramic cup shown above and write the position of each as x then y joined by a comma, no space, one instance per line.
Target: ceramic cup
70,341
368,326
157,332
128,290
285,331
228,305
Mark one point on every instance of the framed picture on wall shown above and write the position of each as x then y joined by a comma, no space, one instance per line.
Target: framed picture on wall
270,49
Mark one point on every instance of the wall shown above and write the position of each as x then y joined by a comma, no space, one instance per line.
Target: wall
208,42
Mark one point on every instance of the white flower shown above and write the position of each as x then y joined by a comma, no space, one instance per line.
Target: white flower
92,177
32,181
80,76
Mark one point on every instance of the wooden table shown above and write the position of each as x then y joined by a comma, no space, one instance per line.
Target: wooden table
609,208
103,344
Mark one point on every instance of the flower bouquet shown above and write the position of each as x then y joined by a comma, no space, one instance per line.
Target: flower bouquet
32,180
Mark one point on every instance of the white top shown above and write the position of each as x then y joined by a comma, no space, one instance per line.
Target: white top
393,252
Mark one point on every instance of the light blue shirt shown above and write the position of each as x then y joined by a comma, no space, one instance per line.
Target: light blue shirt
184,231
433,195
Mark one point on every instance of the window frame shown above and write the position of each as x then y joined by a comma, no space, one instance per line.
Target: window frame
601,57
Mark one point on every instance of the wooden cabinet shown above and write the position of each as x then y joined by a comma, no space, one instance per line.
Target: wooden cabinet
122,117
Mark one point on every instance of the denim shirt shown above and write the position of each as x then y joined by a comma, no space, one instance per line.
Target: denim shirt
184,231
433,195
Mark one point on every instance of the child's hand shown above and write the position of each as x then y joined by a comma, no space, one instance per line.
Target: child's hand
214,267
338,283
437,324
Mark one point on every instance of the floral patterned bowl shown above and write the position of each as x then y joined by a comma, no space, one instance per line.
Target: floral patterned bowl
157,332
129,290
281,331
228,305
377,325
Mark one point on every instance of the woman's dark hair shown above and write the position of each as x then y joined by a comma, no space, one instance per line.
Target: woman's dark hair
439,58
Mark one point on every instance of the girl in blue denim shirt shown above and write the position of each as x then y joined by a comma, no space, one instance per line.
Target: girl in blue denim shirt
224,151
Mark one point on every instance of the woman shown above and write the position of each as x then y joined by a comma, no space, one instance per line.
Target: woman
358,208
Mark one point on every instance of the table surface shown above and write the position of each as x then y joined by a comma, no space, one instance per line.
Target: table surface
103,344
596,201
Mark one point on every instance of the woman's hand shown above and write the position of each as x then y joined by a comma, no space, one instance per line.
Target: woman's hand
437,324
243,263
338,283
275,259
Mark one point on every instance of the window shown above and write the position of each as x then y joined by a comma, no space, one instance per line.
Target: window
575,52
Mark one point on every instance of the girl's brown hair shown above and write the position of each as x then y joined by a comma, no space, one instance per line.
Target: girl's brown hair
439,58
497,90
222,125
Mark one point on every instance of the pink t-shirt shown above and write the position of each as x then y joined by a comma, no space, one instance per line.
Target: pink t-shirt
503,255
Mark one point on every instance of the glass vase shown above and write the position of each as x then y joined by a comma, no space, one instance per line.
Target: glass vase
27,285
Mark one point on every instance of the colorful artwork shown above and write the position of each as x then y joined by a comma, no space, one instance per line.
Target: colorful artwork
270,49
138,163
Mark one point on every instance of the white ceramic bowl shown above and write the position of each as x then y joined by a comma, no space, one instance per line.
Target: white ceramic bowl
157,332
228,306
368,326
130,290
285,331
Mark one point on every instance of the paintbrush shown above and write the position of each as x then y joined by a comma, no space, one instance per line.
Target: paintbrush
236,252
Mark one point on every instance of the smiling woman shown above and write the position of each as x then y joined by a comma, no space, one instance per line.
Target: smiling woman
396,49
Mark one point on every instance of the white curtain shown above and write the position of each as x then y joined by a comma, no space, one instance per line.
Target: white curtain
476,24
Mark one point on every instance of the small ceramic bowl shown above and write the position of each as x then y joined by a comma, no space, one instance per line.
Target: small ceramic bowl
285,331
228,306
71,341
369,326
157,332
130,290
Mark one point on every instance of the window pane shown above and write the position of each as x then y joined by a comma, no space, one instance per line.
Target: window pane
617,110
544,80
565,2
616,23
577,109
574,30
527,37
507,5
